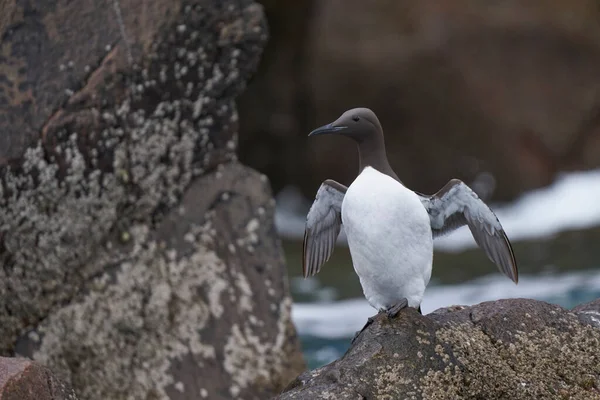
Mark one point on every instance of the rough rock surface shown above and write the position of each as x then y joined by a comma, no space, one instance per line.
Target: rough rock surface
22,379
507,349
138,256
463,88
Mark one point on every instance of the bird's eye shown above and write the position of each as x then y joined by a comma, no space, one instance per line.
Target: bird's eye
356,118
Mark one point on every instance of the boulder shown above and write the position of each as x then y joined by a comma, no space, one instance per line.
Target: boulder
463,89
505,349
139,257
23,379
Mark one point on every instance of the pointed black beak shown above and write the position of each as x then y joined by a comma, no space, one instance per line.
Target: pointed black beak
325,129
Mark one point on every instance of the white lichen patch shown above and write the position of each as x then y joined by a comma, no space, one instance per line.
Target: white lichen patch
252,226
248,357
388,378
422,340
250,239
180,386
241,361
244,290
156,301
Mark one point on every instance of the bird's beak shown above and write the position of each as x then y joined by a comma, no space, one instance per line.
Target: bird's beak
325,129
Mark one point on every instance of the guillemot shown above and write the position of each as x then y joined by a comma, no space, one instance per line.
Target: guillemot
390,228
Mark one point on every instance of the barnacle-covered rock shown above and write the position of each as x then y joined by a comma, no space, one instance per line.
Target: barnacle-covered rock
22,379
506,349
139,257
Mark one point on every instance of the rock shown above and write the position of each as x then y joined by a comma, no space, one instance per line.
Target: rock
463,89
22,379
139,258
589,313
513,349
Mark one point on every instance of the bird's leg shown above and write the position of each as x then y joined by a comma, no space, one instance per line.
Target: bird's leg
395,309
370,320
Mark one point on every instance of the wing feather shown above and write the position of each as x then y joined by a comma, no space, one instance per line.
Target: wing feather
456,205
323,225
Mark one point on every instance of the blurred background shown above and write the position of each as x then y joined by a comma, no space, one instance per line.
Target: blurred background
504,95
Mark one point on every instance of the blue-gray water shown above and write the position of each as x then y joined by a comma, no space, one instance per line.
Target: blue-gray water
566,290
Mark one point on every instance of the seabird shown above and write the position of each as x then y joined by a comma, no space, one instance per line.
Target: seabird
390,228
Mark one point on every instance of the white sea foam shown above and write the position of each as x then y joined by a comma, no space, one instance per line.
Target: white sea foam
343,318
569,203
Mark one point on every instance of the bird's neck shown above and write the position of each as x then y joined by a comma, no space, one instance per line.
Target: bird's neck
372,154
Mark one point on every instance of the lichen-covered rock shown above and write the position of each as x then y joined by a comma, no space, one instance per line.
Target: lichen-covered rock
139,258
195,307
507,349
23,379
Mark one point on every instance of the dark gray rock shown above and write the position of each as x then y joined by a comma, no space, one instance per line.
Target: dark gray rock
507,349
589,313
139,258
23,379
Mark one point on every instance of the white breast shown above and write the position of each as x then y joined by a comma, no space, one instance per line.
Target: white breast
390,240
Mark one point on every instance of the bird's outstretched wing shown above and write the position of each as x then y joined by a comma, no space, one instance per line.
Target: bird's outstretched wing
455,205
323,224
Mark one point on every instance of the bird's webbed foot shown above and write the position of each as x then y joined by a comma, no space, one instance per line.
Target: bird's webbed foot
390,312
396,308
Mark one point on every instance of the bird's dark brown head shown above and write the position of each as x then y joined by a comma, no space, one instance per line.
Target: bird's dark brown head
360,124
363,126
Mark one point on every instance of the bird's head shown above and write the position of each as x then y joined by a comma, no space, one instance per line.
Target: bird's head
359,124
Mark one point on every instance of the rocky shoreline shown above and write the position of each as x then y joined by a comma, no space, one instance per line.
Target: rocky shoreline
513,349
